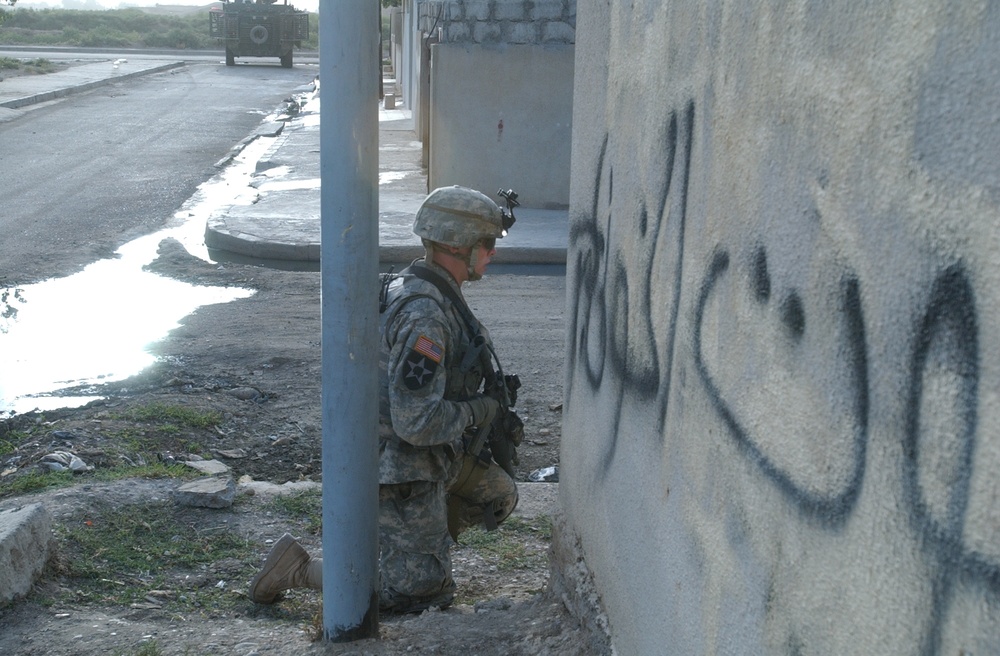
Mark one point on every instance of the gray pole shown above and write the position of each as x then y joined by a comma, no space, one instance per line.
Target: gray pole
349,268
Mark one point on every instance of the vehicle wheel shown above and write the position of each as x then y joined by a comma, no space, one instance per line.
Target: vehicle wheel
258,34
230,58
286,60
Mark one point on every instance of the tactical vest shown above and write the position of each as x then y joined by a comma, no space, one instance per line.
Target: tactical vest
463,370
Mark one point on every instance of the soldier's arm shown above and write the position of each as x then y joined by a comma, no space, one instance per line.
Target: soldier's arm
420,414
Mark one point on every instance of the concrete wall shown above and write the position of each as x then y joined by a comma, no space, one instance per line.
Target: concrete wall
501,88
501,117
782,423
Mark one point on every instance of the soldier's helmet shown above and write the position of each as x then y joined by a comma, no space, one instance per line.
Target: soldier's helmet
458,216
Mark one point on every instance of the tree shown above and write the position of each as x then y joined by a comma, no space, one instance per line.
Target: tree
3,14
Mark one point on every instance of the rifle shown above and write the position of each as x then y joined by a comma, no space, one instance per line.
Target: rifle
507,430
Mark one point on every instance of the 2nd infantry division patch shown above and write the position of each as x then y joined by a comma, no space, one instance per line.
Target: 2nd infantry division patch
421,363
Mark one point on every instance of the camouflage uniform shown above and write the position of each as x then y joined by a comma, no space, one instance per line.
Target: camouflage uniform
421,426
429,398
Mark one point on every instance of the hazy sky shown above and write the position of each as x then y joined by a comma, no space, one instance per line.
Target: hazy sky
309,5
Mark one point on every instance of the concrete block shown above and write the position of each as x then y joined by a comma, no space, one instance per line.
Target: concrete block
455,33
513,10
523,32
210,492
25,538
547,10
487,33
453,11
389,101
558,32
477,10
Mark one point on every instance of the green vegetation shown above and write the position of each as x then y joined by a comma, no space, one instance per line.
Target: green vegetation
175,415
160,556
116,28
506,546
4,14
151,554
148,648
34,482
307,506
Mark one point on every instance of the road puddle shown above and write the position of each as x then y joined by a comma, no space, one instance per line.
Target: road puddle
96,326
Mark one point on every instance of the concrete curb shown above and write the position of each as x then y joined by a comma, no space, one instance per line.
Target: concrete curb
33,99
25,535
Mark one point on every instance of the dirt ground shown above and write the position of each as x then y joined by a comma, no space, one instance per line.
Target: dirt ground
255,364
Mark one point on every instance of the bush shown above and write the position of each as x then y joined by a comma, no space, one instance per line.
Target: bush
113,28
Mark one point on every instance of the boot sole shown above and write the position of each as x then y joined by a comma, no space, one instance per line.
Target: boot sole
277,551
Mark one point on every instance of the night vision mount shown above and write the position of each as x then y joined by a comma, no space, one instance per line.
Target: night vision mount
511,197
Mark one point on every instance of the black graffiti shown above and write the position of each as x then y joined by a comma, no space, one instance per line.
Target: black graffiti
944,386
612,326
945,366
835,505
625,351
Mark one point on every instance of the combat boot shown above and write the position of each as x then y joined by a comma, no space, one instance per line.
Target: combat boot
288,566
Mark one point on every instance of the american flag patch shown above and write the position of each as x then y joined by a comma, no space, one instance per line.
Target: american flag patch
427,347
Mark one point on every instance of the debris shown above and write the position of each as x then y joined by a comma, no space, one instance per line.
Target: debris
63,461
555,407
545,475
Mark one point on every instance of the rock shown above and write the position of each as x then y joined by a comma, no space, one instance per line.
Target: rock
245,393
500,603
233,454
209,492
208,466
249,486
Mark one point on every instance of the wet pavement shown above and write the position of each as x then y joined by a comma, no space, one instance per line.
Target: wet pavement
272,217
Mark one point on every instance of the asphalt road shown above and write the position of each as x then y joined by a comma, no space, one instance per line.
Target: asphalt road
85,174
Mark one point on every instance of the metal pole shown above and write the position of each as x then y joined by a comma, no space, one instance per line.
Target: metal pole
349,269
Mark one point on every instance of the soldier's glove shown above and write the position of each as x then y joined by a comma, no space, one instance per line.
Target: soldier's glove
484,410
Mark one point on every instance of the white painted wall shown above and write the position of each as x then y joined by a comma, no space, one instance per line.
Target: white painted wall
782,414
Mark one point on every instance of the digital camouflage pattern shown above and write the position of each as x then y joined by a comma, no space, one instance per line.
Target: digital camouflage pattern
422,419
415,563
458,216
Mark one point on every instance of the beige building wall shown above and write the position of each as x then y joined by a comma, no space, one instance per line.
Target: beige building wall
782,405
501,116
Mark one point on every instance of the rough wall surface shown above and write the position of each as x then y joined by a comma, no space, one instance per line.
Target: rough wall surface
500,21
782,423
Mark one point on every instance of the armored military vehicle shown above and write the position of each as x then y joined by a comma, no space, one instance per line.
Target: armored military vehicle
258,28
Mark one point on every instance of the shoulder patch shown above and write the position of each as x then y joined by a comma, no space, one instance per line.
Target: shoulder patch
418,370
421,363
427,346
